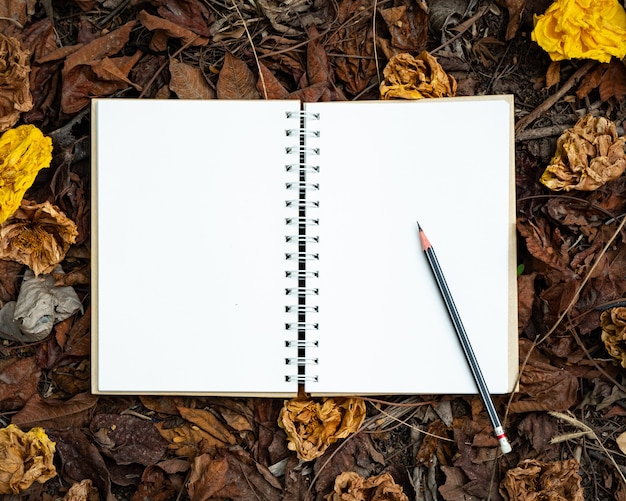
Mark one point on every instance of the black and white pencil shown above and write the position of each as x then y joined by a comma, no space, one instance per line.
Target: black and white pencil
505,446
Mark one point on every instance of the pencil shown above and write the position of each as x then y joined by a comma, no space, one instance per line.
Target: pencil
505,446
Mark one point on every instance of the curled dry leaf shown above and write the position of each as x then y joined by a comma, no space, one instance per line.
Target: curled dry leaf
312,426
25,458
350,486
587,156
532,479
613,322
15,96
24,151
37,235
577,29
82,491
408,77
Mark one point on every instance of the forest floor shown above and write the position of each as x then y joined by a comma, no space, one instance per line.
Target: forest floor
567,419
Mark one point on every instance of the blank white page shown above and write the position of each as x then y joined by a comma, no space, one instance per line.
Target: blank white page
189,246
383,327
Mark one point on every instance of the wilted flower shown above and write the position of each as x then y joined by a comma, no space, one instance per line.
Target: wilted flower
352,486
24,151
587,156
312,426
613,323
408,77
24,458
15,96
582,29
37,235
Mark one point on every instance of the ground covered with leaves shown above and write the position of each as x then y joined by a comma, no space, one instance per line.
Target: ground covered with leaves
567,421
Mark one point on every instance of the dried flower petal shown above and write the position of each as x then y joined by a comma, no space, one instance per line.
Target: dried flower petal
532,479
15,96
37,235
24,458
312,426
582,29
587,156
24,151
613,322
350,486
408,77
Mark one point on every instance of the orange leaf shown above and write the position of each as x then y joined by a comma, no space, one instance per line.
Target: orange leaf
236,81
188,82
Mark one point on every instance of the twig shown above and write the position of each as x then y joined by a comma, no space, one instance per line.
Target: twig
524,122
256,57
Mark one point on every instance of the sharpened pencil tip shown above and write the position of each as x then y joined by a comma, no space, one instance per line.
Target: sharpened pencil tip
423,239
419,228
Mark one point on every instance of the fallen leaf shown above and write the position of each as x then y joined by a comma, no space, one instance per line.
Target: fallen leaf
171,29
54,413
156,485
408,26
317,67
613,82
25,458
452,489
20,11
579,30
408,77
515,10
233,475
37,235
553,75
269,86
532,479
525,299
312,426
70,379
15,96
621,442
350,486
191,14
128,439
236,81
20,378
24,151
188,82
587,156
10,278
613,323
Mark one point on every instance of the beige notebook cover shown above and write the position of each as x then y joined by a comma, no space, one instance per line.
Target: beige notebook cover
249,248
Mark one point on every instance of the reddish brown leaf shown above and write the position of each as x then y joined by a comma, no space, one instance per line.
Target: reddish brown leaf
408,26
590,81
525,299
269,86
188,82
172,29
72,379
317,67
128,439
190,14
50,413
233,475
18,10
18,383
9,280
613,82
155,485
453,490
236,81
553,75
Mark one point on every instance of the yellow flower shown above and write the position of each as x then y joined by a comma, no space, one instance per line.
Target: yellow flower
24,151
582,29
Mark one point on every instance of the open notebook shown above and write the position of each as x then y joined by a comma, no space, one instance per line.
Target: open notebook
247,248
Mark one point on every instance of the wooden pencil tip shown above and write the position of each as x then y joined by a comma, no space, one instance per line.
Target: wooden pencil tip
423,239
419,228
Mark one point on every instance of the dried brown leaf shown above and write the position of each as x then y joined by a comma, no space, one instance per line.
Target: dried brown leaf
587,156
82,491
25,458
190,14
20,11
9,280
317,67
50,413
15,96
525,299
37,235
233,475
621,442
590,81
20,377
408,26
408,77
311,426
270,87
236,80
515,9
171,29
613,81
188,82
350,486
553,75
532,479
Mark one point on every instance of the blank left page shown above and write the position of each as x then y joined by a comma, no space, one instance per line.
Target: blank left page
189,232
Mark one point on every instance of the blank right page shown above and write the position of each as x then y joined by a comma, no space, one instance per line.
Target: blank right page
383,327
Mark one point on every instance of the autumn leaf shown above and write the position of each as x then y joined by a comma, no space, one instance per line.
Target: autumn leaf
350,486
533,479
188,82
236,81
15,96
312,426
25,458
24,151
613,82
172,29
53,413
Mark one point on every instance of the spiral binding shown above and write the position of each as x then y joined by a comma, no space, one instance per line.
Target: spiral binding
302,274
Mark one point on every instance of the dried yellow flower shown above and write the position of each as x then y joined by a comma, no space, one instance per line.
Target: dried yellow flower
15,96
350,486
587,156
533,479
24,458
408,77
613,322
312,426
582,29
37,235
24,151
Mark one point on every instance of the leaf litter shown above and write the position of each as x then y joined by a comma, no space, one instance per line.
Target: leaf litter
57,57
